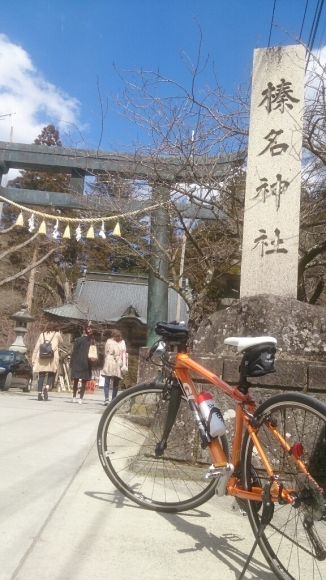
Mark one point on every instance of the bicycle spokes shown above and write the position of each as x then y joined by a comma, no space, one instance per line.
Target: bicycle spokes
292,434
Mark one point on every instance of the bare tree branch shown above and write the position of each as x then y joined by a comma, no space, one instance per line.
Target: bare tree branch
30,267
18,247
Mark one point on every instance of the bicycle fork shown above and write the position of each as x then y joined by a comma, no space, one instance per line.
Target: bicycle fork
173,408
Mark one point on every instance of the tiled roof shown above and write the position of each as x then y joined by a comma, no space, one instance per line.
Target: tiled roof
103,297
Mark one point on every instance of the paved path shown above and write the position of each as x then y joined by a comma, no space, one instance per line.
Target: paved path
61,518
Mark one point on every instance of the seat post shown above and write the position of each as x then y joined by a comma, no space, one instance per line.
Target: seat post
243,383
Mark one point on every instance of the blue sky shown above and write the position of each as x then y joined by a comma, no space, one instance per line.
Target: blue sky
54,52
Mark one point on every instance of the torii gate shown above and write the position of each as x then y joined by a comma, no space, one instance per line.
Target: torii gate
80,163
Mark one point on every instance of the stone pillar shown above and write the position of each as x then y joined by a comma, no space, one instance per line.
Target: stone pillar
3,171
272,201
157,307
77,181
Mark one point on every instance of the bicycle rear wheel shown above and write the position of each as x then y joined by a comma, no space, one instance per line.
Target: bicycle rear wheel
128,432
294,543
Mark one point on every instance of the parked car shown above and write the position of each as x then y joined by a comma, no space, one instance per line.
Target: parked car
15,371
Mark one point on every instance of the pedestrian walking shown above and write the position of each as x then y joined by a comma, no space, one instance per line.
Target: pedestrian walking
45,358
81,364
114,363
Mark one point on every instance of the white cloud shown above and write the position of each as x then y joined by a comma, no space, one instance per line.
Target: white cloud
315,74
36,101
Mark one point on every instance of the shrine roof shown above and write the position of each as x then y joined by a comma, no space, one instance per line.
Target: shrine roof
108,297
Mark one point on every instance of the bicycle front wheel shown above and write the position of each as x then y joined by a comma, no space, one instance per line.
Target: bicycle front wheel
128,432
294,543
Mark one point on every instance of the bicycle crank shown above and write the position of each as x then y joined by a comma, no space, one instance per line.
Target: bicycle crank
222,474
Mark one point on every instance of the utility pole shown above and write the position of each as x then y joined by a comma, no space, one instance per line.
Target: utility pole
182,262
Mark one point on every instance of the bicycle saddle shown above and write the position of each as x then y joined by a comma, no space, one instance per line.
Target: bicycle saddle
244,342
177,329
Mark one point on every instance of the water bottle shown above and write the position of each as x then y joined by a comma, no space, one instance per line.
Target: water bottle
211,414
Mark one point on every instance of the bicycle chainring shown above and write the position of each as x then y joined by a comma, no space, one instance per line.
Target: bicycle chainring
254,481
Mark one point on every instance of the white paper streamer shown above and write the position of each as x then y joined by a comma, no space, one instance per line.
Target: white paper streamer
102,233
78,233
55,233
31,223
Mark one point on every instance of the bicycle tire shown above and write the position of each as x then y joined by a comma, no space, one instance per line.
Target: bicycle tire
129,429
286,543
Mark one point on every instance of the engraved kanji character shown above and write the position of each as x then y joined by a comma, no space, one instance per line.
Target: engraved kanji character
274,147
280,96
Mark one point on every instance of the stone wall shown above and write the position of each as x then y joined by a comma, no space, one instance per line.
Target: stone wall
300,330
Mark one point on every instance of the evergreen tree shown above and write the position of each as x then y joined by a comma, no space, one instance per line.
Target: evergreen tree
39,180
14,262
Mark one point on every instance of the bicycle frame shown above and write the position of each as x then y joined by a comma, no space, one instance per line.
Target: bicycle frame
184,364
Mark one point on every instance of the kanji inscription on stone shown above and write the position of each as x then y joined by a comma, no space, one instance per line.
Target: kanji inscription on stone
272,201
267,246
277,188
278,97
274,147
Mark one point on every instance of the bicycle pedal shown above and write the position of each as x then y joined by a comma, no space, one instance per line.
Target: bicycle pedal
222,474
214,472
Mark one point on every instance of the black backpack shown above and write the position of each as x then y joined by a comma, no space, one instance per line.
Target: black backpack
46,350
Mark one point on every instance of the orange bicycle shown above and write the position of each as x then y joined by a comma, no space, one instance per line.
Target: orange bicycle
159,446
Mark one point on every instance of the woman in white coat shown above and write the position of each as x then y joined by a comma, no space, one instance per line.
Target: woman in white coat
115,358
47,366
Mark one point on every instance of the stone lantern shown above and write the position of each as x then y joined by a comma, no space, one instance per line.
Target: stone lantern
21,319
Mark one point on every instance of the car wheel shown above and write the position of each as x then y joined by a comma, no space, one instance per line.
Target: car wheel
28,388
7,384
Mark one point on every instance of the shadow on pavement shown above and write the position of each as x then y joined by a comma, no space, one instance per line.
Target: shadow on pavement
121,501
226,547
223,547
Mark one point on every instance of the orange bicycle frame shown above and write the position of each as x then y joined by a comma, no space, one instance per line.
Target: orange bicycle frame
184,364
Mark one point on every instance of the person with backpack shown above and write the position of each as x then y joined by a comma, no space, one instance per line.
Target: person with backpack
45,358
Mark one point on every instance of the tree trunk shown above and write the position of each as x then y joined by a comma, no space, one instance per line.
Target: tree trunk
31,281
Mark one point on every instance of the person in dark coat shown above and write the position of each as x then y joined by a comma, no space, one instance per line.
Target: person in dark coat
80,364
